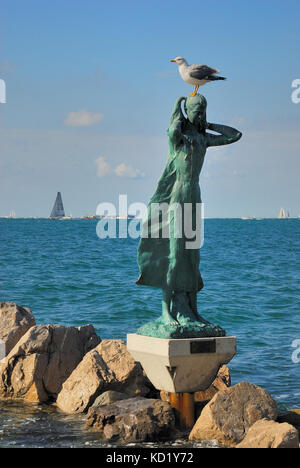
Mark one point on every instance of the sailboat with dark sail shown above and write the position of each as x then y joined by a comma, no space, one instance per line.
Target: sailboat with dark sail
58,208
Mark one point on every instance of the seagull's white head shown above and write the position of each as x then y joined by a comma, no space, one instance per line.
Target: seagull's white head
179,61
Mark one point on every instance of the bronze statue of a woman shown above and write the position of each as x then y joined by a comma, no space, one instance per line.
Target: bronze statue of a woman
167,262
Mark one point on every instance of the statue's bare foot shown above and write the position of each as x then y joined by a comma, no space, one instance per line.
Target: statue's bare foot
172,323
201,319
167,320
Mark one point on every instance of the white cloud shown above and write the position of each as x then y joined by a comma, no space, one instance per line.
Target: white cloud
122,170
103,168
82,118
128,171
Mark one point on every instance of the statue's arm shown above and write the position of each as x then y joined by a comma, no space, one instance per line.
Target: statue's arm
227,135
177,118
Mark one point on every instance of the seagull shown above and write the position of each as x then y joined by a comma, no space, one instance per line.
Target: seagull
197,75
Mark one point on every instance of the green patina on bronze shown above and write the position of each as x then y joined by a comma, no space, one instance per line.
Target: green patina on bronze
166,263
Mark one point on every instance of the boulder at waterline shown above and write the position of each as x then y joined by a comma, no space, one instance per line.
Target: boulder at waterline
15,321
229,415
107,367
266,434
109,397
291,417
134,420
43,359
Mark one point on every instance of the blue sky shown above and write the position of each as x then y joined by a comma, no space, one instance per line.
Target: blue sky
90,89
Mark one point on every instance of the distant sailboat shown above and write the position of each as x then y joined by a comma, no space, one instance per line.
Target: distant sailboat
12,215
58,208
283,214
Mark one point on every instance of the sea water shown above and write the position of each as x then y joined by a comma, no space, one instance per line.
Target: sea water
66,275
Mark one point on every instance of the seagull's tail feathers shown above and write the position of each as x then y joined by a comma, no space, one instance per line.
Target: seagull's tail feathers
215,78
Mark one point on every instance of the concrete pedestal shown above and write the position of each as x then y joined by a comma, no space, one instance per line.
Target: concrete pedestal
181,365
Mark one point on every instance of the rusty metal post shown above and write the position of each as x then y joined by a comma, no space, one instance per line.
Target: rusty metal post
184,406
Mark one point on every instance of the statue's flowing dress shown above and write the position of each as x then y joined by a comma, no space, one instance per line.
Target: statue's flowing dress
166,262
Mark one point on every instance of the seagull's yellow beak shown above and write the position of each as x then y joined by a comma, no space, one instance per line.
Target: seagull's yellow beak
172,60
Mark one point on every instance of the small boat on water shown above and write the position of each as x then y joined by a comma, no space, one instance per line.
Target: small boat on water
283,214
12,215
107,217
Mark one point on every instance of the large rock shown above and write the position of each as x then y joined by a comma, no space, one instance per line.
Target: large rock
43,359
107,367
291,417
229,415
15,321
270,434
109,397
134,420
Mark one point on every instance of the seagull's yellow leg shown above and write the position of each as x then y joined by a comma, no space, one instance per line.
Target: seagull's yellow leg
195,91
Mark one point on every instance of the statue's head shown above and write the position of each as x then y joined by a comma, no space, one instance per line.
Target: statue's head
195,108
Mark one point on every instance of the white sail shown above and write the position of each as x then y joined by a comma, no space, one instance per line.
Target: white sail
58,208
281,214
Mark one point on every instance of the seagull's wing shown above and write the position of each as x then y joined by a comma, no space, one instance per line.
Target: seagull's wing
200,72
